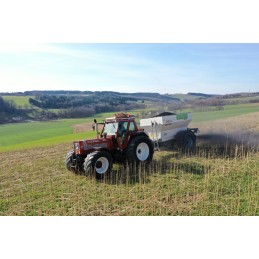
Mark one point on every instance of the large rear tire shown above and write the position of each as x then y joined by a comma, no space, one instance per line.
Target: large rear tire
98,163
140,150
186,141
189,141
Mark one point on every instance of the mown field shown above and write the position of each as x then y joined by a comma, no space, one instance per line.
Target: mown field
35,182
221,178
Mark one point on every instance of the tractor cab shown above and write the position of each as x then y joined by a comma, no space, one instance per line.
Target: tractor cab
119,128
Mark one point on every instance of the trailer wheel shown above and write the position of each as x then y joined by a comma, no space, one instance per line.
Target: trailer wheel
98,163
69,161
189,141
140,149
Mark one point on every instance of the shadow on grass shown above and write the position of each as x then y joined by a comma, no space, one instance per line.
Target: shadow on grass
142,174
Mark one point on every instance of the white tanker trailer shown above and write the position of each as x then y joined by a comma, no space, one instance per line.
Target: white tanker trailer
169,128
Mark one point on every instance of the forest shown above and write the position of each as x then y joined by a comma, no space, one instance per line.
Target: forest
7,110
42,107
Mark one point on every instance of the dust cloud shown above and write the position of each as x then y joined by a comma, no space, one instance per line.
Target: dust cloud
247,140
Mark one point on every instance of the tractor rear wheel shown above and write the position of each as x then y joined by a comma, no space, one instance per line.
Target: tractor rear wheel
98,163
69,161
189,141
140,149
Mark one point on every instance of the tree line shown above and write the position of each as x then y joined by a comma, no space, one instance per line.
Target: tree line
72,101
72,106
7,110
76,106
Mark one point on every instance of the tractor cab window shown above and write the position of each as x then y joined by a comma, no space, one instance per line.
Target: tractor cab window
122,128
110,128
132,126
122,131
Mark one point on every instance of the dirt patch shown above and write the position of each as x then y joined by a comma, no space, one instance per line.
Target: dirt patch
83,127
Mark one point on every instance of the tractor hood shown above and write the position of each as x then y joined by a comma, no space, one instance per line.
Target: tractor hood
97,143
83,146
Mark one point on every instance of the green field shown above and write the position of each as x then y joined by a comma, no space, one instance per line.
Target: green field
25,135
32,134
20,101
229,111
35,181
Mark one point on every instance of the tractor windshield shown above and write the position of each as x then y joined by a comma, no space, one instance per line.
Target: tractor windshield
110,128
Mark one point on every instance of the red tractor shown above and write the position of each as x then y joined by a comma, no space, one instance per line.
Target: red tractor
120,140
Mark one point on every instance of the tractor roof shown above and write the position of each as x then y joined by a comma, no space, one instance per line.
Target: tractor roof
120,117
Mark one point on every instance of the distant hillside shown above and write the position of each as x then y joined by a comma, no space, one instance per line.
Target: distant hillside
154,97
204,95
240,95
49,105
139,95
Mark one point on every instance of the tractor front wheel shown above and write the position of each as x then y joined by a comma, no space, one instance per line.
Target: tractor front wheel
98,163
69,161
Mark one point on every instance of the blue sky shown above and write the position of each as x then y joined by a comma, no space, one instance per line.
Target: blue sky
163,68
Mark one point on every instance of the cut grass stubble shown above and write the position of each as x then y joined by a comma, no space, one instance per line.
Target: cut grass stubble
37,183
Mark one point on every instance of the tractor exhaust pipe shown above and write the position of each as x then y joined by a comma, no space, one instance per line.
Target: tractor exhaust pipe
96,128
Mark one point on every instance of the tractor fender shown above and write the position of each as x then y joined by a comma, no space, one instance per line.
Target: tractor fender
140,133
180,136
144,134
101,149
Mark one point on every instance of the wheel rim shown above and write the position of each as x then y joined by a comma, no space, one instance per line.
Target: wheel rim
142,151
102,165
